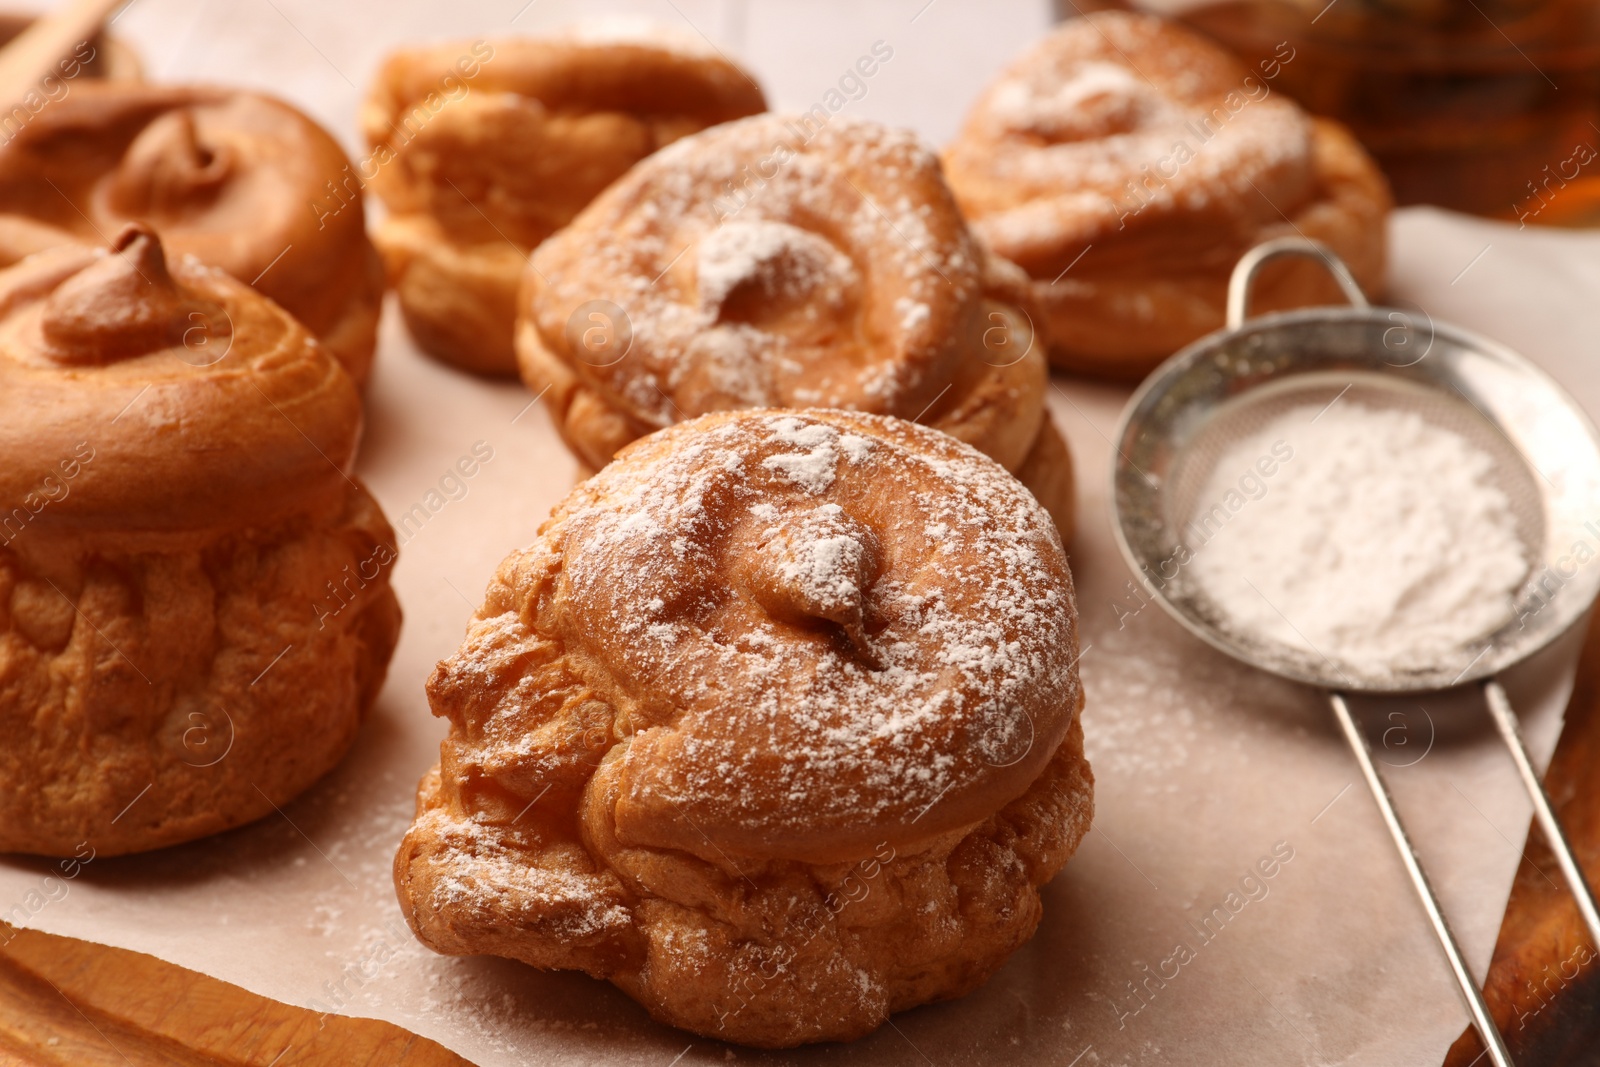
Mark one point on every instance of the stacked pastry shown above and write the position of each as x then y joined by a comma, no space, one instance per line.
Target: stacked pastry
776,262
481,151
775,726
194,600
232,178
1126,164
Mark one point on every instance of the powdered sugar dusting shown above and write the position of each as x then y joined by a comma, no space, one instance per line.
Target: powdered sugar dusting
779,257
960,636
820,565
1093,97
475,868
811,466
912,313
816,255
1116,114
857,448
1382,544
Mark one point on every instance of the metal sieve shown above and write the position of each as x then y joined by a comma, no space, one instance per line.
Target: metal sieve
1546,456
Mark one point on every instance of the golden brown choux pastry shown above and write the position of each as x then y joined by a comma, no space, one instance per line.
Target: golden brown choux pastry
195,608
1126,164
238,180
774,263
482,150
775,726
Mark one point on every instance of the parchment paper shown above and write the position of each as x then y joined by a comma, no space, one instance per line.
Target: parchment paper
1205,770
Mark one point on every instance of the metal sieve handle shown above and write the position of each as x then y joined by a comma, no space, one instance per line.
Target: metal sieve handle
1505,720
1250,264
1482,1020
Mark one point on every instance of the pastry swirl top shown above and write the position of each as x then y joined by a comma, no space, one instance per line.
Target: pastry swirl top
242,181
509,139
205,406
1132,134
773,262
818,630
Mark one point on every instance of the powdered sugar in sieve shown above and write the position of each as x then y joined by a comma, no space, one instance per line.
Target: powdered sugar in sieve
1365,535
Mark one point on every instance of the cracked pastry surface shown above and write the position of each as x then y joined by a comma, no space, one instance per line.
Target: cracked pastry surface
775,726
1126,164
481,150
772,262
195,608
241,181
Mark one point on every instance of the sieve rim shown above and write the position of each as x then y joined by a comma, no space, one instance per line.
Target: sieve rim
1128,484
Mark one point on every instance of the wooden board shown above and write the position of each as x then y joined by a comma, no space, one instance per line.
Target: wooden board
1544,979
69,1003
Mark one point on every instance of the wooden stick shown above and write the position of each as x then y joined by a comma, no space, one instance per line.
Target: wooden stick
69,1001
34,53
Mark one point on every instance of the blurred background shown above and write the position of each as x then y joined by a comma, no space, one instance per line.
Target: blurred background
1490,107
1485,106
